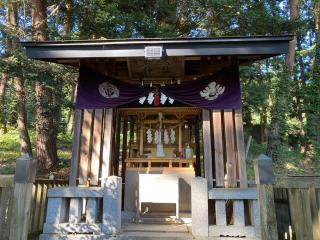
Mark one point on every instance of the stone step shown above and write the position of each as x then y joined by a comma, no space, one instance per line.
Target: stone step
166,228
154,235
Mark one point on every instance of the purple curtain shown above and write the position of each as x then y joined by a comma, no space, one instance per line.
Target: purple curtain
218,91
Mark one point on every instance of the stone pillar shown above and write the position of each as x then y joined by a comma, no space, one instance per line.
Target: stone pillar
199,207
23,181
264,179
111,219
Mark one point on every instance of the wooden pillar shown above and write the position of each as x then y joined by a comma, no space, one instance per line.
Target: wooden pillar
264,179
197,138
241,160
22,195
230,149
207,151
180,138
75,157
116,148
218,147
86,137
131,134
107,145
96,147
141,139
124,145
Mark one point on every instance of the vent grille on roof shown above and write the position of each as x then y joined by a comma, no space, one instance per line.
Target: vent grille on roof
153,52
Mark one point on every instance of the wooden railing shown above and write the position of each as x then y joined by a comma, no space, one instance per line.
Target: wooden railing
6,202
133,163
297,201
84,210
38,204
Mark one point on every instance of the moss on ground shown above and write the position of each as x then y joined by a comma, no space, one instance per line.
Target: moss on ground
9,150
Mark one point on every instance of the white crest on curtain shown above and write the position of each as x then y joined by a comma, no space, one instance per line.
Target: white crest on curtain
212,91
108,90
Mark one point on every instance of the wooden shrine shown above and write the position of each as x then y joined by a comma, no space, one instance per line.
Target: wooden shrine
193,156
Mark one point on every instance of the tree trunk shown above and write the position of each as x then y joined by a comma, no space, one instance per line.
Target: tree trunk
183,28
294,15
46,143
25,144
46,134
300,100
3,85
313,105
67,20
38,17
263,123
71,112
278,122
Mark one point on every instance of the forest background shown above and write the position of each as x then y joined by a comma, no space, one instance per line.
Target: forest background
281,95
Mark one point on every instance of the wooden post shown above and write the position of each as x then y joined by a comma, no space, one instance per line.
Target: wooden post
240,149
75,148
116,148
230,149
141,140
96,147
180,138
197,138
218,148
107,145
264,179
124,146
207,152
86,135
22,195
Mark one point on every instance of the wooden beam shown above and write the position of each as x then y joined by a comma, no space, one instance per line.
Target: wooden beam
230,149
207,147
267,212
240,149
298,182
76,143
218,148
107,145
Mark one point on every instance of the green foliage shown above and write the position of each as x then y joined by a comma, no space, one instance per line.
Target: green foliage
9,150
313,108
